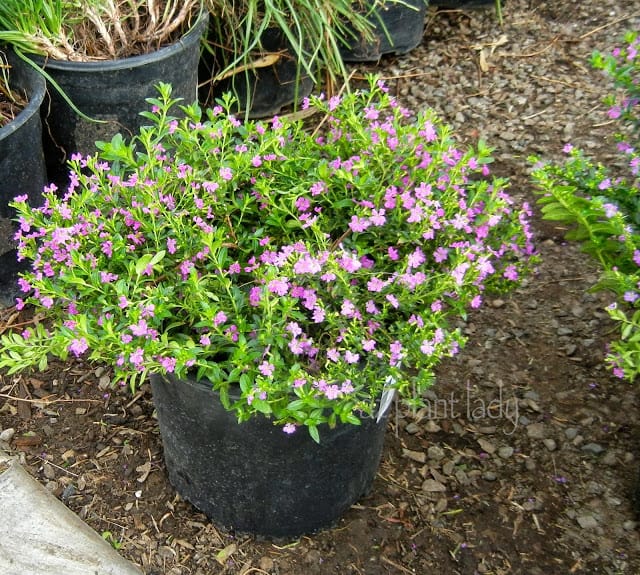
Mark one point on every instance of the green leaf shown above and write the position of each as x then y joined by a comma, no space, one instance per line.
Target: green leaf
314,433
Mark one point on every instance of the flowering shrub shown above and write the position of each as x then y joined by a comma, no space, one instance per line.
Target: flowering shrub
303,273
601,206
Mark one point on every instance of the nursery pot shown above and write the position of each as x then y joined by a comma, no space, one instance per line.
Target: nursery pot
398,28
261,91
21,157
22,166
115,92
252,477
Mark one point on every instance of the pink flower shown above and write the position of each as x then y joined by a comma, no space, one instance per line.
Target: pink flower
279,286
78,346
226,173
266,369
289,428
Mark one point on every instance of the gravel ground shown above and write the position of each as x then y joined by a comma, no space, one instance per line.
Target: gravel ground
526,457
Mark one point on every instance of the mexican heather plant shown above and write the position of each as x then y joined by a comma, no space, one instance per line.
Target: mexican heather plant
303,273
600,205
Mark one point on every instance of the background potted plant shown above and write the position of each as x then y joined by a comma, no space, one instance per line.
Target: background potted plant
104,59
397,28
271,53
293,280
22,168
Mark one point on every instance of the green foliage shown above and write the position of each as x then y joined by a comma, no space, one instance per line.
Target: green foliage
302,273
600,207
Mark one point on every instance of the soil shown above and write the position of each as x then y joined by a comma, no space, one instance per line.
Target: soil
526,458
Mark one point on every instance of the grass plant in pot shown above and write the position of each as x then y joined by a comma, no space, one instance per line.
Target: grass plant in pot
397,28
22,168
280,283
103,58
272,53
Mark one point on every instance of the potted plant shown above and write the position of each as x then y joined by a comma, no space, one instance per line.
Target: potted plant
397,28
103,59
272,53
283,283
22,168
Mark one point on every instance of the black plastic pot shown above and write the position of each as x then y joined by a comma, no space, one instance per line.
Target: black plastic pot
261,92
252,477
113,91
399,28
463,4
22,167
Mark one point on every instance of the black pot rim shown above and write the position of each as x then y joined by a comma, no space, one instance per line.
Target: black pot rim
36,91
192,36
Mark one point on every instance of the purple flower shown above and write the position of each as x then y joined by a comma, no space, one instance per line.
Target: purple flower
255,295
266,369
289,428
219,318
351,357
511,273
279,286
78,346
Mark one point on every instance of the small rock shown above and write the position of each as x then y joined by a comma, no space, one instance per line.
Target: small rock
593,448
487,446
497,303
610,458
629,525
489,476
536,430
431,426
418,456
505,452
587,521
570,349
266,563
7,434
435,452
412,428
570,433
564,331
448,467
530,464
550,444
433,486
532,395
48,471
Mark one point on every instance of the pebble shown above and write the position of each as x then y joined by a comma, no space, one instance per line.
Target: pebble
550,444
536,430
505,452
7,434
418,456
489,476
587,521
570,433
435,452
487,446
412,428
593,448
433,486
48,471
266,563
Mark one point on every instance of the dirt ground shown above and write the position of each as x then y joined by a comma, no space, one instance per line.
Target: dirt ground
525,460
